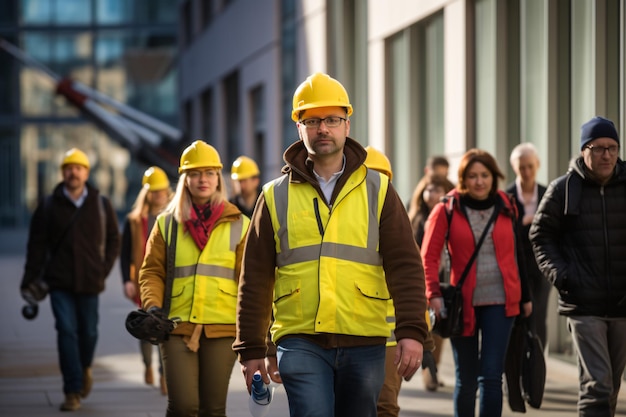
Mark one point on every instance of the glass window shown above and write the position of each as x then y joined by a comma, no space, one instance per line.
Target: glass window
66,54
485,23
135,11
288,39
121,57
207,115
431,113
257,104
232,112
72,12
534,74
401,136
206,12
8,17
36,11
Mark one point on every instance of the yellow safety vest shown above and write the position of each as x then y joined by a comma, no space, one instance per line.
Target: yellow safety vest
204,289
329,276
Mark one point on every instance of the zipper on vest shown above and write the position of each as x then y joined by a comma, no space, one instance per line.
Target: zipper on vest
316,207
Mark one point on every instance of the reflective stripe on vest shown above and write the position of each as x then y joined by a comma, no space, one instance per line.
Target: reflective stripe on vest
368,255
329,276
205,288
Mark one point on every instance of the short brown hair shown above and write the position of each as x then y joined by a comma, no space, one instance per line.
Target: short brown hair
478,155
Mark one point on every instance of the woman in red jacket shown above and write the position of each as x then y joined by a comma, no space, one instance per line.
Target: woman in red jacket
493,289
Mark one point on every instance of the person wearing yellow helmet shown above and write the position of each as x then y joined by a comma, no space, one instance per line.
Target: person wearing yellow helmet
246,181
388,400
153,197
72,245
205,234
313,269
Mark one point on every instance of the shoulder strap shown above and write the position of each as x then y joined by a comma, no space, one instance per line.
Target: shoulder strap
171,259
103,226
496,211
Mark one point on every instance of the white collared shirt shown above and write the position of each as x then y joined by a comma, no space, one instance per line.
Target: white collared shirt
530,206
329,186
80,200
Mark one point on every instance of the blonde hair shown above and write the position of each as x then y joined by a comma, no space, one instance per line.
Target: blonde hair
141,207
180,206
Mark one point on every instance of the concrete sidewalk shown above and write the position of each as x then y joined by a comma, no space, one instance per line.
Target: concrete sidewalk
30,381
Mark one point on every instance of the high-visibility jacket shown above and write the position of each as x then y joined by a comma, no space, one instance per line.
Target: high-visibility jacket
329,276
204,289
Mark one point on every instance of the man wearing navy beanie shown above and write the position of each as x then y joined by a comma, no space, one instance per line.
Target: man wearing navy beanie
579,238
598,127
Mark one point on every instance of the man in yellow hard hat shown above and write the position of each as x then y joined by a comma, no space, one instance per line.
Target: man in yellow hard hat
72,245
388,399
245,175
329,244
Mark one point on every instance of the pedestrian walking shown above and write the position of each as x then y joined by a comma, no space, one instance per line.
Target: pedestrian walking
476,222
207,249
72,244
153,197
579,239
329,244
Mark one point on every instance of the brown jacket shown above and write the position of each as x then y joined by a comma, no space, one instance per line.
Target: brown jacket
401,261
152,276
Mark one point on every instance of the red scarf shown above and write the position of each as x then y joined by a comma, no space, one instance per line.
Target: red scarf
202,221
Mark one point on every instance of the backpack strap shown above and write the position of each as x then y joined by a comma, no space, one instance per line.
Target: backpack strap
171,260
103,226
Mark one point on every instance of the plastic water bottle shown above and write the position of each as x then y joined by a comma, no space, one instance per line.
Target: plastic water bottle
260,397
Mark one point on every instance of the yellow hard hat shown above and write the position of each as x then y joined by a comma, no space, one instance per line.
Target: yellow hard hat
155,179
377,160
319,90
243,168
75,156
199,155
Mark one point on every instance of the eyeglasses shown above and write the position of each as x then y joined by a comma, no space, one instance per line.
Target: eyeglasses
330,121
599,150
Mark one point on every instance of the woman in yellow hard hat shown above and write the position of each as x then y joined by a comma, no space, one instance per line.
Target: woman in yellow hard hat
153,197
204,233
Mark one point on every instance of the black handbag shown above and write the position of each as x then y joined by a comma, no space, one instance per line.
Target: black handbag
452,324
533,370
525,367
155,326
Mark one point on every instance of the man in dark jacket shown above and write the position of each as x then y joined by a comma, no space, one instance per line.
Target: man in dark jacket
579,239
72,245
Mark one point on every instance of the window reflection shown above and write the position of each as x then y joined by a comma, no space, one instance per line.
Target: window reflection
136,11
67,12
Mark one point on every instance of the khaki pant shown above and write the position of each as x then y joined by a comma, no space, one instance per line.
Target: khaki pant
197,382
388,400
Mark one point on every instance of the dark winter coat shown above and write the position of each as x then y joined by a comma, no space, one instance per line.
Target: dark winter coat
534,274
579,240
83,257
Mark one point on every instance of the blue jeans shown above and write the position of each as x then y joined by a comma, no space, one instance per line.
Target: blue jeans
481,367
76,323
340,382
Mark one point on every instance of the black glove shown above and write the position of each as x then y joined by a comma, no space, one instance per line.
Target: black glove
158,311
28,296
428,362
152,326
